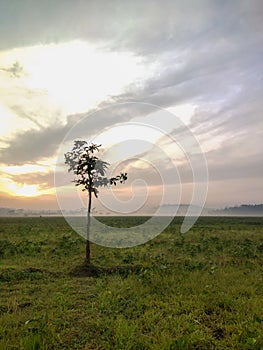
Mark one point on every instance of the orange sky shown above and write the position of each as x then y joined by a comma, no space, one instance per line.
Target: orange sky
190,80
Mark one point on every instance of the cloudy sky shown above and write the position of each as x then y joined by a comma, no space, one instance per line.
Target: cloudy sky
159,83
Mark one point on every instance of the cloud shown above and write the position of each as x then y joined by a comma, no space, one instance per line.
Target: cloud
137,24
16,69
42,202
145,26
24,114
236,159
44,181
206,53
32,145
36,144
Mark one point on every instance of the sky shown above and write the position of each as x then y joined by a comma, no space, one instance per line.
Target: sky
171,89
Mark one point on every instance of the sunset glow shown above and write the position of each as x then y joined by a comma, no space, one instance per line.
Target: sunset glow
73,76
23,190
106,68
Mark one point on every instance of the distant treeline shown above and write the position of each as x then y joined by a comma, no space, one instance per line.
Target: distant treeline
244,209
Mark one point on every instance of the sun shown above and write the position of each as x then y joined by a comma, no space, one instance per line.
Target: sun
63,79
76,75
28,191
23,190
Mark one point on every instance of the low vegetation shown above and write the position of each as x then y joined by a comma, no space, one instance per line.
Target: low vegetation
198,290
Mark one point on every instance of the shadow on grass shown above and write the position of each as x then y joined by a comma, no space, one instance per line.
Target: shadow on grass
89,270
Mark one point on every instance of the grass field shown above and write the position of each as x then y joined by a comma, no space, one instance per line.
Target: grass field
198,290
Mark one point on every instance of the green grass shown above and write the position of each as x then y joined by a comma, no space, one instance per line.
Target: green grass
198,290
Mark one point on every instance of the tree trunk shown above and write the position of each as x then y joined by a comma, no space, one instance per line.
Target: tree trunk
87,260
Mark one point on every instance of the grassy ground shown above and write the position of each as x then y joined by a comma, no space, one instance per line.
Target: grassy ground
198,290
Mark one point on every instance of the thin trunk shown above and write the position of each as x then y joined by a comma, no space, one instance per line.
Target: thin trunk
88,231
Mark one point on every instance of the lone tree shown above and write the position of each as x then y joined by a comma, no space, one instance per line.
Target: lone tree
89,173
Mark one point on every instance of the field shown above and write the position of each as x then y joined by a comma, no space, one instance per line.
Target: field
198,290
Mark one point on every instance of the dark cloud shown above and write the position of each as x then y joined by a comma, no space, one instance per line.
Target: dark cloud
37,144
143,26
32,145
139,24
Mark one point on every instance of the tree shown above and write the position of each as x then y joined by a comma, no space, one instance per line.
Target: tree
89,173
